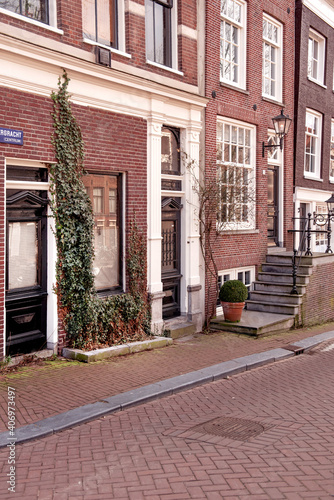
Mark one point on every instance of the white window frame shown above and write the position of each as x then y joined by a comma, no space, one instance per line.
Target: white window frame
276,46
226,148
174,56
331,159
316,62
232,274
120,33
52,25
229,18
316,137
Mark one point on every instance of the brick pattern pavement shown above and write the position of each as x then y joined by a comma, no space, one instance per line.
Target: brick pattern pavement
142,453
45,391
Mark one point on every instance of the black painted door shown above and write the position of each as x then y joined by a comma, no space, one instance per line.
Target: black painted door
170,258
26,268
272,205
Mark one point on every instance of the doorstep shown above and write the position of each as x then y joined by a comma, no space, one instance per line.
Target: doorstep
118,350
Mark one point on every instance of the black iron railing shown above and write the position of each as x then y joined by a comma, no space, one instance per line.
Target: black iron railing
306,231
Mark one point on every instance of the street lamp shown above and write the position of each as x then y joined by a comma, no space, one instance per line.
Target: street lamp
281,125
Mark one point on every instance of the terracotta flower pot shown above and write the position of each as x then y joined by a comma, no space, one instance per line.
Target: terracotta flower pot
232,311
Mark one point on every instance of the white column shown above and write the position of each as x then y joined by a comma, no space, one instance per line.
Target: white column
192,253
154,205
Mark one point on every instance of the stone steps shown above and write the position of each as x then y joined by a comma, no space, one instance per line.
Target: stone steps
272,290
178,327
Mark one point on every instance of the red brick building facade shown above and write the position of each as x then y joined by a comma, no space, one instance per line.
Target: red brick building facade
134,87
249,80
314,110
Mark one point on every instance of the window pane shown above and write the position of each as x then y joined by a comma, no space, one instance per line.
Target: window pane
35,9
103,192
103,21
88,14
23,254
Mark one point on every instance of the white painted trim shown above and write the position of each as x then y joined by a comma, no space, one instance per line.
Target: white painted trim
135,8
40,186
314,35
242,53
323,9
187,32
28,20
279,64
166,68
111,49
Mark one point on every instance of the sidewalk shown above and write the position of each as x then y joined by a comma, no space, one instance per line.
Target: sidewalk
61,394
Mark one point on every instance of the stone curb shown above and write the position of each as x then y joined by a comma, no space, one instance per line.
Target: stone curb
118,350
150,392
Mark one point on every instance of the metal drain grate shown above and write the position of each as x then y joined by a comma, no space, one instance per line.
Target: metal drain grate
231,427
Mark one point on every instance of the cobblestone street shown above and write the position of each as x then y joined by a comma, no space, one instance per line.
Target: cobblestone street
152,451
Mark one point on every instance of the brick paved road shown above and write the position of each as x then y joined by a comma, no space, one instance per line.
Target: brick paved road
151,451
45,391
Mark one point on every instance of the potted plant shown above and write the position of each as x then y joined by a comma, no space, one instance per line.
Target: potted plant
232,296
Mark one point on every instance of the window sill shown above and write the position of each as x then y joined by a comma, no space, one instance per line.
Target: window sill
103,294
31,21
166,68
111,49
331,180
317,82
223,232
234,87
273,100
312,177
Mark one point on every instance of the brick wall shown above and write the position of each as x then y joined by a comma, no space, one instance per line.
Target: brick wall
113,143
318,302
313,96
249,248
69,19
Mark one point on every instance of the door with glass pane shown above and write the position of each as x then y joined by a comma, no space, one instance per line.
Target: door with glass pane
272,205
26,280
170,257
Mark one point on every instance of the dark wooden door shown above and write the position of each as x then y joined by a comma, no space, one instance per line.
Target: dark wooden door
170,257
26,268
272,205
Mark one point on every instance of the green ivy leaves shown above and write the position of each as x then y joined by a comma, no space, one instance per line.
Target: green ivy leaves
89,321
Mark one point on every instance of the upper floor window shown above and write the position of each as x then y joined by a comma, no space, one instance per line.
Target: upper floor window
159,31
331,167
236,175
272,59
232,42
100,21
33,9
316,57
313,127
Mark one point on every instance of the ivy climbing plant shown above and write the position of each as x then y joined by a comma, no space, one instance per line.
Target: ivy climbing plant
89,320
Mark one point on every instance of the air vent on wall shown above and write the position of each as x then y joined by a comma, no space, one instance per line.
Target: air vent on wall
103,56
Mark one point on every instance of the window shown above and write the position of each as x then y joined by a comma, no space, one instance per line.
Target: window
272,59
236,179
321,236
100,21
104,192
159,31
34,9
331,167
232,42
244,274
312,144
316,57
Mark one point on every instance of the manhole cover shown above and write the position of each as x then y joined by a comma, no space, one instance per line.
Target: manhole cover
231,427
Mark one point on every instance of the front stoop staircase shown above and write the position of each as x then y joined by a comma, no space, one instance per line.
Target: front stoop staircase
271,307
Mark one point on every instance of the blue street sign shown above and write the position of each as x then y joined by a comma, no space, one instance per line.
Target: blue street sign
10,136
